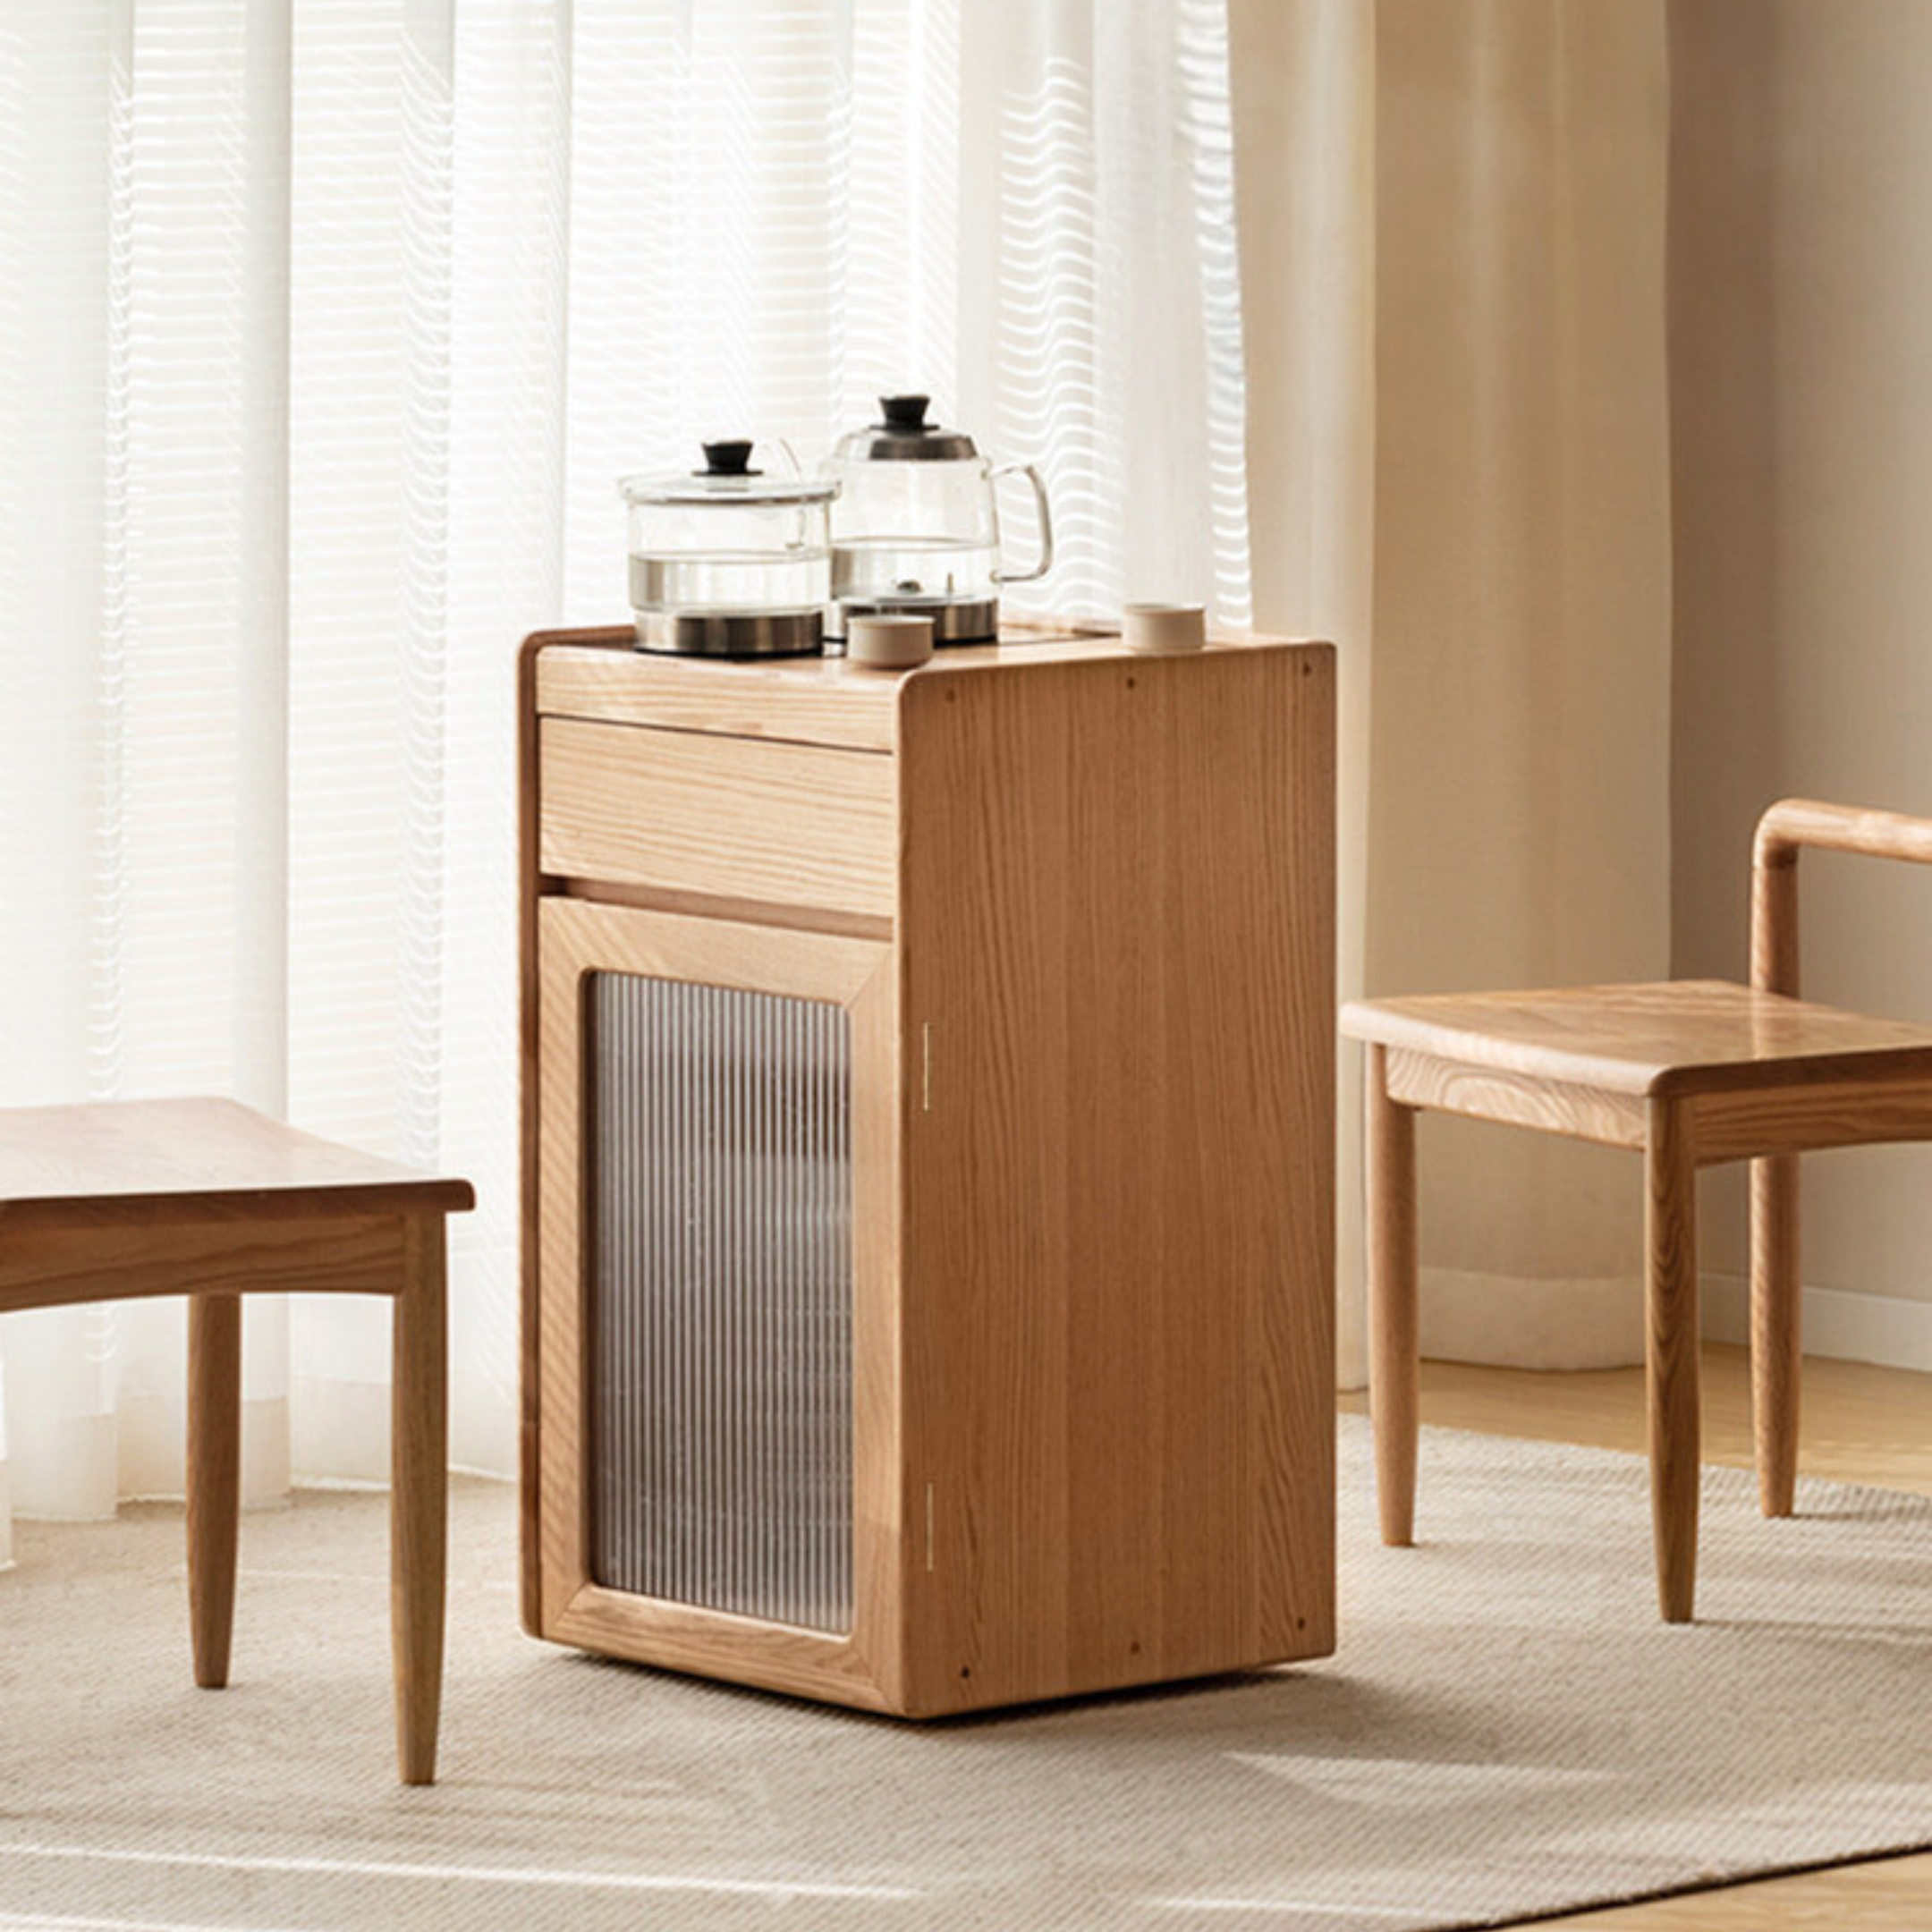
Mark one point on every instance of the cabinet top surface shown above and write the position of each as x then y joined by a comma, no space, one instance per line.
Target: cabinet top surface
826,700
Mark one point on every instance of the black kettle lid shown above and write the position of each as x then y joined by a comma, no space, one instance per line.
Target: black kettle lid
903,435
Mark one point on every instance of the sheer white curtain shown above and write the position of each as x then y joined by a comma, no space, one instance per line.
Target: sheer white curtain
326,330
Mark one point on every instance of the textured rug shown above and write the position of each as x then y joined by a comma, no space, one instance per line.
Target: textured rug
1507,1731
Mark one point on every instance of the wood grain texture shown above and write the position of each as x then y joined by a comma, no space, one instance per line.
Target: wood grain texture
740,818
1794,823
723,906
1881,1106
1777,1328
1090,1437
140,1163
1671,1353
1421,1079
713,1643
581,935
214,1471
887,1518
1776,1232
336,1254
1863,1424
1681,1035
1858,1117
1721,1072
1116,950
576,938
530,886
1879,1895
418,1500
209,1199
1762,1075
800,700
1394,1336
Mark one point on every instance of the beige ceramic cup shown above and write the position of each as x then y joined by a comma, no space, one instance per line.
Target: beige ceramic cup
1164,627
888,642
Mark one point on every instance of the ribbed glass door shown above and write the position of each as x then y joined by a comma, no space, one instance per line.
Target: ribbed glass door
718,1171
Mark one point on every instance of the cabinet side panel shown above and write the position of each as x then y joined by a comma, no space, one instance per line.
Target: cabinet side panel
1118,941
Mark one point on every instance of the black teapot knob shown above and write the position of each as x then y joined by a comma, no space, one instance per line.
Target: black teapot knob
727,459
904,411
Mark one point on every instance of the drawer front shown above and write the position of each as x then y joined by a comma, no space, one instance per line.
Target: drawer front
732,818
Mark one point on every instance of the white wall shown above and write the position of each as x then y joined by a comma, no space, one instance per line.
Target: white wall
1801,343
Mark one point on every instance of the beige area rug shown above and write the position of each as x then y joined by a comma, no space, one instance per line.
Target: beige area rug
1506,1731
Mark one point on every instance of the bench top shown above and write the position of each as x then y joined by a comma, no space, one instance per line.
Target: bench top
146,1161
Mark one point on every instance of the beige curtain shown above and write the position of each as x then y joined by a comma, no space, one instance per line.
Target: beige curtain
1454,264
1303,75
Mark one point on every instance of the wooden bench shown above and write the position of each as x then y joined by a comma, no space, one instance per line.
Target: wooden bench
209,1199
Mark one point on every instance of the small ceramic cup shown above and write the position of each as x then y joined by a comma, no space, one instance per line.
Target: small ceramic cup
889,641
1164,627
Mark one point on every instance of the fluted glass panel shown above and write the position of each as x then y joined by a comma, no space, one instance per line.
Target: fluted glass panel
720,1179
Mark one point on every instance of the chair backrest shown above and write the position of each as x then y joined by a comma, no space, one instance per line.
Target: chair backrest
1784,831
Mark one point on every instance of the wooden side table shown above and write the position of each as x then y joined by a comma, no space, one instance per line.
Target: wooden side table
928,1173
207,1198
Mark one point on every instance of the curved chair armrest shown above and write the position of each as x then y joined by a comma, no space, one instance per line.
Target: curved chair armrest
1793,823
1784,831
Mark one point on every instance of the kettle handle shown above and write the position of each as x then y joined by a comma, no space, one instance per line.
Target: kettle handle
1044,511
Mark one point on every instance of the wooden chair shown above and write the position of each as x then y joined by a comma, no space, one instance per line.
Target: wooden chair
1690,1073
208,1199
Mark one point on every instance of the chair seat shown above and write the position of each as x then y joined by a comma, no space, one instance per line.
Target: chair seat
144,1161
1672,1038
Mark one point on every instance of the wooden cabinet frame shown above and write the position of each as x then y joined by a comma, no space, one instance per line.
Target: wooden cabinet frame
577,938
1079,907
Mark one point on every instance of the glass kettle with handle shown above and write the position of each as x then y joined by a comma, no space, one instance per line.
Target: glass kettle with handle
915,525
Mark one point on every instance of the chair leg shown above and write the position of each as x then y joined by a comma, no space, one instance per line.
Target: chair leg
1671,1353
1776,1342
1394,1370
418,1501
213,1478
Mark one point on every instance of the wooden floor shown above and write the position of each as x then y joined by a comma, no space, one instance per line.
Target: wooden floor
1860,1425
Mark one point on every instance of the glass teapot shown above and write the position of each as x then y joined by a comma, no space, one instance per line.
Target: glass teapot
915,525
729,561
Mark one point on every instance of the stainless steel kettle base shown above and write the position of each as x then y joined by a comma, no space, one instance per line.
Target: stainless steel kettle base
954,620
735,634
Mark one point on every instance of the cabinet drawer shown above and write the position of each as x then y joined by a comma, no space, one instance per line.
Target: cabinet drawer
733,818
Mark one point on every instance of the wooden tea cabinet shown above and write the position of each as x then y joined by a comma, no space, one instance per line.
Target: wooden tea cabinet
928,1165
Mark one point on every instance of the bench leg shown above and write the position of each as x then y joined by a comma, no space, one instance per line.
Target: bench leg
418,1500
1394,1352
1671,1353
213,1478
1776,1344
